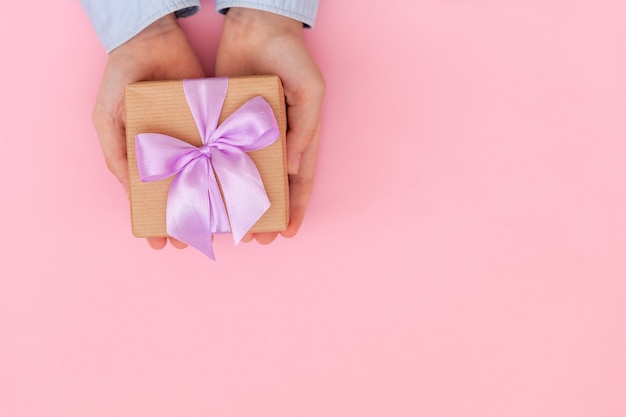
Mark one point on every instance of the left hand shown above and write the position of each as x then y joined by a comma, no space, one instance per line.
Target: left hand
255,42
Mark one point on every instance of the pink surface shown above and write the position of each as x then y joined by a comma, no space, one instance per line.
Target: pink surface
464,252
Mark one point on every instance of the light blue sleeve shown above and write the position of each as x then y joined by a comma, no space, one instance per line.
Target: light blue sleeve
116,21
302,10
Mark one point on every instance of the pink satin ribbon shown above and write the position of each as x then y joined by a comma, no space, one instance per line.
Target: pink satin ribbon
195,209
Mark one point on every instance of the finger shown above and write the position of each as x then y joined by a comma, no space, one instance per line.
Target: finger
301,186
157,242
265,238
119,168
177,243
300,193
248,237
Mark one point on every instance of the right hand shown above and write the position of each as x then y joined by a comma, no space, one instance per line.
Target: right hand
259,42
160,52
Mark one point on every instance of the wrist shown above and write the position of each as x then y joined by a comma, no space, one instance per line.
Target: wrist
153,32
255,20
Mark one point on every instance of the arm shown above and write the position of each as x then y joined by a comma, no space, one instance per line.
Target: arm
257,42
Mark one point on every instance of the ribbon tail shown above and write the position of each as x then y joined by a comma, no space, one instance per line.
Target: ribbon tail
194,207
243,190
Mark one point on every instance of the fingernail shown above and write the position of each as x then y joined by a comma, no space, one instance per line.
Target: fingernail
295,164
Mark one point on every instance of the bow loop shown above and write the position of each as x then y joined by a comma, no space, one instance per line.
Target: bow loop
248,133
161,156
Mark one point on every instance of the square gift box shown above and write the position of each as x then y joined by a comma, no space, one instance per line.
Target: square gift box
162,107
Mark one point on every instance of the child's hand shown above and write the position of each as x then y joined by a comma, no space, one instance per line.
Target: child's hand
256,43
159,52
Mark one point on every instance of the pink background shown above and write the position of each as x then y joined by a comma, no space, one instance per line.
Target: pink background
463,255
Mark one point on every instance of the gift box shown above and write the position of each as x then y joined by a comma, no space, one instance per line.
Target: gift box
207,156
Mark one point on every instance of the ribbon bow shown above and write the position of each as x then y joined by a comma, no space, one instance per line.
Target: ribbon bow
195,209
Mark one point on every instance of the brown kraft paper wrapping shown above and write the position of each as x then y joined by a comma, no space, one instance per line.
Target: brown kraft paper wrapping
161,107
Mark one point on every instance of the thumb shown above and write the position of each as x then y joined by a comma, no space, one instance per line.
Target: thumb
112,137
303,115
